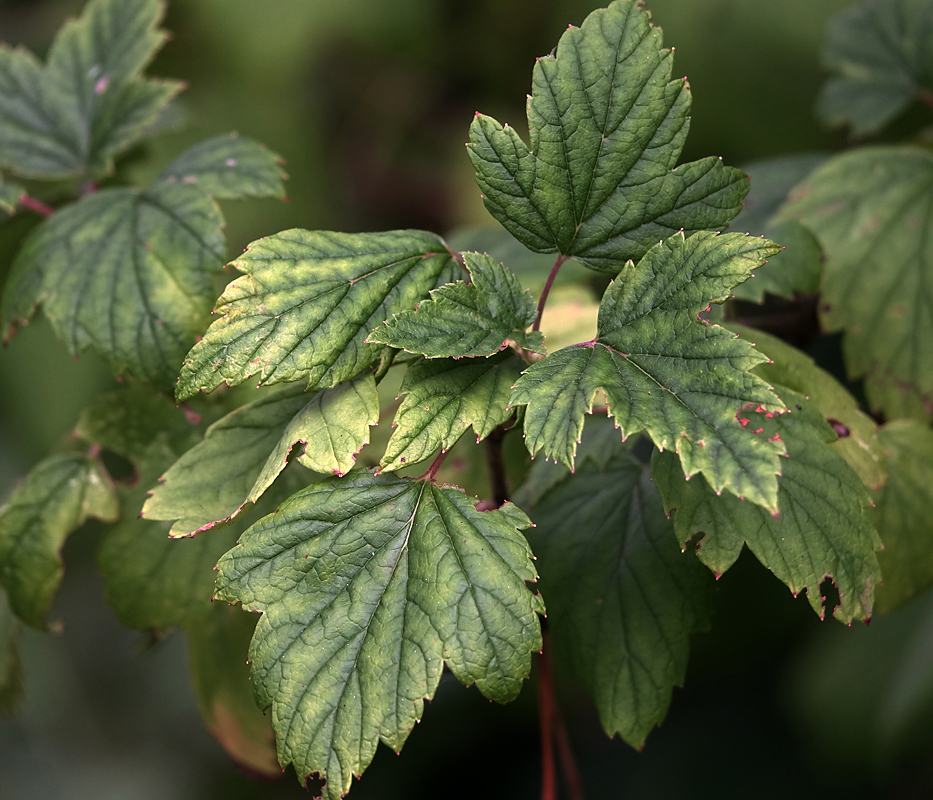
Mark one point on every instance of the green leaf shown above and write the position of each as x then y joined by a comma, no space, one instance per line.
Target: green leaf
88,104
664,370
823,527
217,647
879,54
898,399
903,514
125,273
243,453
307,303
11,672
10,193
858,443
368,585
870,209
444,397
55,499
229,167
467,319
622,599
607,128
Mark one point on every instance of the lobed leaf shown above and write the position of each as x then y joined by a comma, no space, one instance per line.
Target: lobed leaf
307,303
622,599
823,527
55,499
88,104
879,54
607,126
665,371
467,319
444,397
368,585
903,513
229,167
870,209
126,273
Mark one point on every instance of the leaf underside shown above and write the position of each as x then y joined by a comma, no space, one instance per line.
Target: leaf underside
307,302
622,598
823,528
665,371
607,127
368,586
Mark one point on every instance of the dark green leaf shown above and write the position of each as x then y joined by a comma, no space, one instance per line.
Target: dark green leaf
125,273
871,208
880,54
444,397
243,453
823,527
217,647
11,674
368,585
665,371
88,104
55,499
622,598
229,167
903,513
607,128
858,443
898,399
794,270
460,319
307,303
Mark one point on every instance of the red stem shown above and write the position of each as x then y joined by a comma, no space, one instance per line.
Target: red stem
36,205
546,291
546,718
432,471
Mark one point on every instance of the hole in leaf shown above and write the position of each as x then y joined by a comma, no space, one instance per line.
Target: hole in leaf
830,595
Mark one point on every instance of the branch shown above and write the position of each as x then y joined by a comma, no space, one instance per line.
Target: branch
547,290
546,717
26,201
432,470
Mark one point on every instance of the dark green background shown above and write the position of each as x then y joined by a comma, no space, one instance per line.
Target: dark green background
369,101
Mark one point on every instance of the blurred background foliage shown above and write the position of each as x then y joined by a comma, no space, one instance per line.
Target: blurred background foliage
369,102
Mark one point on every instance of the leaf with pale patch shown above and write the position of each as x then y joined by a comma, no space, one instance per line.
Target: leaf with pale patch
823,527
871,209
444,397
368,586
57,497
229,167
88,103
664,370
903,513
307,302
879,55
128,274
607,127
462,319
622,598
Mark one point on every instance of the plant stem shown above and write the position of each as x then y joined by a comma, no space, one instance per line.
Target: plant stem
546,291
546,718
495,466
36,205
432,470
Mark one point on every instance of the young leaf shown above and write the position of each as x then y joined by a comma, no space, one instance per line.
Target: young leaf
229,167
607,128
870,209
443,397
307,303
903,514
88,104
56,498
219,673
823,527
243,453
460,319
858,443
368,585
125,273
664,370
622,599
879,55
